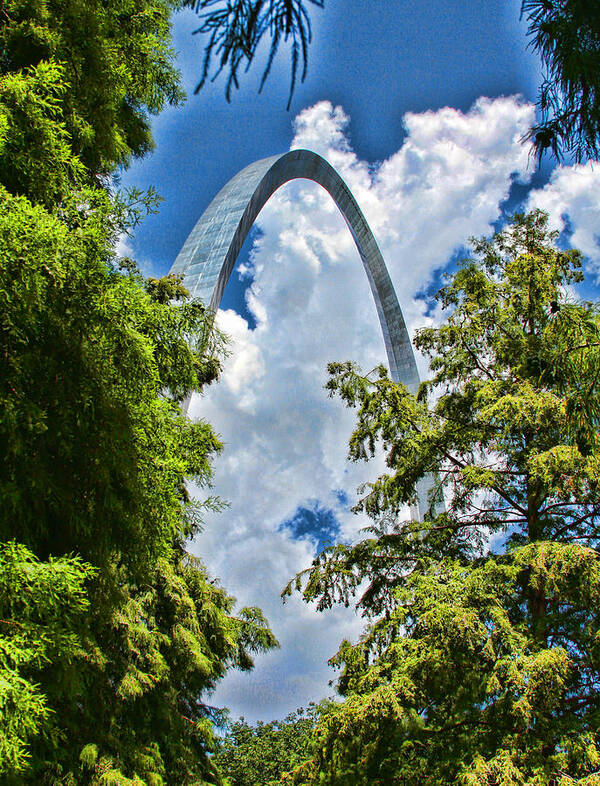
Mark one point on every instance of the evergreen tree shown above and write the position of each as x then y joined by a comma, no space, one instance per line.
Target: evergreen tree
43,606
566,34
258,755
85,76
111,635
480,663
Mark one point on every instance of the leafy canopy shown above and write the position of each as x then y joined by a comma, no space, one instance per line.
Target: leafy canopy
43,606
106,68
480,661
566,34
258,755
94,365
111,635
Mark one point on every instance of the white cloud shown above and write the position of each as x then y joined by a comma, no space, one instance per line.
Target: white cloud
574,193
285,440
246,365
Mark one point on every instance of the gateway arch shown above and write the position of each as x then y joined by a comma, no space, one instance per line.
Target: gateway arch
210,251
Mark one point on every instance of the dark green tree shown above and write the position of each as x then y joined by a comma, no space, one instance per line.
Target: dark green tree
258,755
566,34
94,365
84,75
480,663
111,636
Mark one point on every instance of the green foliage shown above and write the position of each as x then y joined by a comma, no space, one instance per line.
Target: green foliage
43,607
259,755
154,653
35,150
110,62
94,365
480,661
235,30
110,634
89,442
566,34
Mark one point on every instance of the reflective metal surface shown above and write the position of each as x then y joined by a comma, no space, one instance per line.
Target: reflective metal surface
209,253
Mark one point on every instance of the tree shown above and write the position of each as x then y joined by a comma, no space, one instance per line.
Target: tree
106,67
566,34
111,635
259,755
42,611
480,661
95,452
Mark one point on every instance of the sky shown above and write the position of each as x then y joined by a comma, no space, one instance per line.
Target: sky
421,107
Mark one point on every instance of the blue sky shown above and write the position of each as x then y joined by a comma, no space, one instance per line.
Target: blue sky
377,60
421,107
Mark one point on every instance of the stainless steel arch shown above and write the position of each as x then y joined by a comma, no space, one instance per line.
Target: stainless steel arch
209,253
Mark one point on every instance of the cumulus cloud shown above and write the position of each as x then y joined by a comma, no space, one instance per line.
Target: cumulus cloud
572,200
285,440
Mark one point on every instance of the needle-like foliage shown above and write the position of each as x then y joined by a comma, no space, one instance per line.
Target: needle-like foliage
235,29
480,662
111,636
566,34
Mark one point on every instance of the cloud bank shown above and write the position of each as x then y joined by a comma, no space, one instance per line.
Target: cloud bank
572,201
285,441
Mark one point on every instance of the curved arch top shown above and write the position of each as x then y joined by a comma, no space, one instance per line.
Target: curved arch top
209,253
212,247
